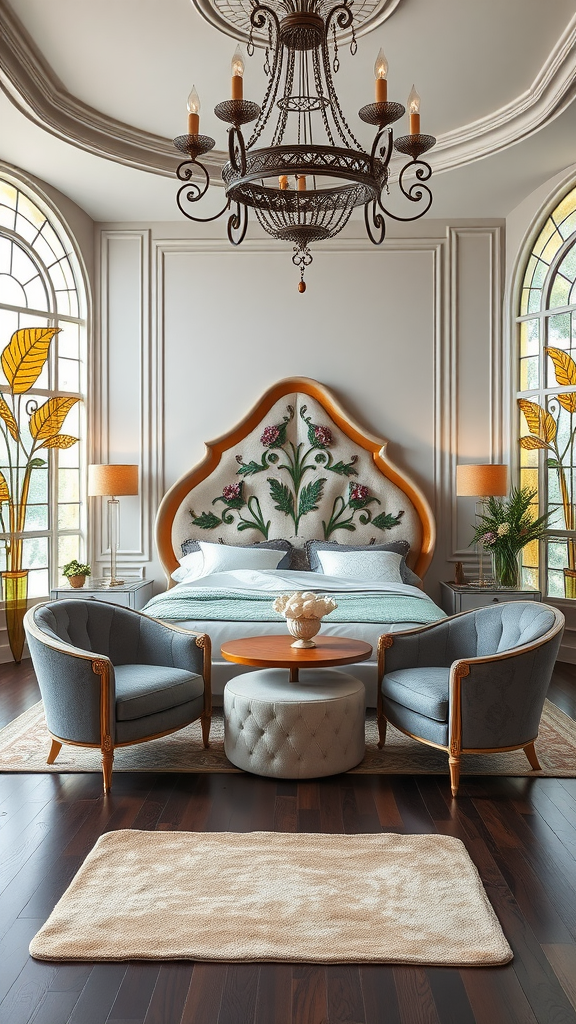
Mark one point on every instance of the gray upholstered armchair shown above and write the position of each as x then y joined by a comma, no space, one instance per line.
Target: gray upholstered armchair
472,683
110,676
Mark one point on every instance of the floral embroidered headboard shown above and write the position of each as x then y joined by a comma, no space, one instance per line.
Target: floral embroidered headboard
296,468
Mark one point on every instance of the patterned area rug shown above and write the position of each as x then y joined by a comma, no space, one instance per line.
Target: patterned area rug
24,746
260,896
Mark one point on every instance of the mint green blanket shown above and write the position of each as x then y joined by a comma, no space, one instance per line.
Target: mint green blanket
216,604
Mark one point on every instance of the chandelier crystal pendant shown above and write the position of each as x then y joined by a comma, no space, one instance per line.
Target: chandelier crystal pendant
302,170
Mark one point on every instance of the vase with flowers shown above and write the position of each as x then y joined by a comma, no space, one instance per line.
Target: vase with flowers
303,612
504,528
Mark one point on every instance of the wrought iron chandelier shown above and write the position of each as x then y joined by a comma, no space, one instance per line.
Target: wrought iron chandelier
304,184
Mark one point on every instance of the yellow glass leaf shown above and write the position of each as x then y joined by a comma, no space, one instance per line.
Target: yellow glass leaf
539,421
532,442
4,492
568,401
60,441
24,357
8,418
564,366
50,416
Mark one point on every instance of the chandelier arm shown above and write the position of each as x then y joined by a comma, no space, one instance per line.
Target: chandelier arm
416,192
386,150
260,14
378,223
194,191
238,222
343,14
236,147
282,120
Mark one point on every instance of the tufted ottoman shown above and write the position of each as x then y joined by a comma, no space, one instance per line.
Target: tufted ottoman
294,730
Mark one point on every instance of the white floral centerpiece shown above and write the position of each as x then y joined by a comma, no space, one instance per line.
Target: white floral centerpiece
303,612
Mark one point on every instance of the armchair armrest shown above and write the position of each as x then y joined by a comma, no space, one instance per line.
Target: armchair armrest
163,643
433,644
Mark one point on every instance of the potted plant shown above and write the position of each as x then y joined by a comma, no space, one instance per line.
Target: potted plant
76,573
29,429
505,527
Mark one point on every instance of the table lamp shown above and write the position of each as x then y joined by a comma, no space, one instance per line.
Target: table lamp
111,481
481,482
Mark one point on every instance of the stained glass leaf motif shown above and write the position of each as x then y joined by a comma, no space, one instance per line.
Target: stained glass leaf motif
59,441
25,355
532,442
564,366
50,416
540,422
568,401
8,418
4,492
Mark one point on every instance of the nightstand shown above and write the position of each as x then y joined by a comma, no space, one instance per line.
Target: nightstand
455,598
134,594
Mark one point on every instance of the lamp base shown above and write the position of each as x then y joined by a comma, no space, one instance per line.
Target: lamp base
113,583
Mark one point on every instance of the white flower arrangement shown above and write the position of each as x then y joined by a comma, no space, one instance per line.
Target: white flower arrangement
304,605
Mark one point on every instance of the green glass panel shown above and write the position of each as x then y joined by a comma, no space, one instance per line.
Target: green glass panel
530,578
555,583
558,333
557,554
529,375
68,548
68,485
68,517
39,486
532,262
36,518
560,293
568,264
534,300
540,271
35,553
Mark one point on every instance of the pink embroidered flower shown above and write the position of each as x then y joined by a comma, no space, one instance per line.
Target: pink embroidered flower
270,436
231,491
358,492
323,436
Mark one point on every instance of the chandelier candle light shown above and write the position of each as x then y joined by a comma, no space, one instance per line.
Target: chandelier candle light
109,481
302,171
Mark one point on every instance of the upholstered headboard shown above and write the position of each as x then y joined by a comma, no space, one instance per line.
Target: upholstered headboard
298,468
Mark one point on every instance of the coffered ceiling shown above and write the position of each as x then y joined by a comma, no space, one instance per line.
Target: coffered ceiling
93,92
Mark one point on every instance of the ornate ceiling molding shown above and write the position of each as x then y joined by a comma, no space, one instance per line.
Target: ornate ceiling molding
30,83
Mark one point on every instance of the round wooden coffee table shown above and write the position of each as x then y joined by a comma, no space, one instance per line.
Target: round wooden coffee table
277,652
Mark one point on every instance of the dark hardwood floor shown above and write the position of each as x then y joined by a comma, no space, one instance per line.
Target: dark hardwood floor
521,833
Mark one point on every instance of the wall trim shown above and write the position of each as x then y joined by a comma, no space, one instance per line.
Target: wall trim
33,87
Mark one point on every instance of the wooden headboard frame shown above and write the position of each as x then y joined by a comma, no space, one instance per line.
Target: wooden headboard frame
173,499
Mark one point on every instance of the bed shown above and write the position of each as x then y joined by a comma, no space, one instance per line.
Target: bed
297,496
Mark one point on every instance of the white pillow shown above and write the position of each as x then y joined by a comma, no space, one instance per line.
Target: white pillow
222,557
190,567
372,566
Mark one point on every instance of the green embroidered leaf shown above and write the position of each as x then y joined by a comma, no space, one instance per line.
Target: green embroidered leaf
343,526
343,469
206,521
249,468
282,496
385,521
310,496
231,502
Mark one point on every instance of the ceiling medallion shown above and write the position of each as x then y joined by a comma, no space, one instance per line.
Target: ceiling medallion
302,170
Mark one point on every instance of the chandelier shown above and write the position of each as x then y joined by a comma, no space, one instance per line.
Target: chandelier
302,170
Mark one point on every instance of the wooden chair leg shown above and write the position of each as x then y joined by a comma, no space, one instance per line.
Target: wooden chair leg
206,722
530,752
382,727
454,763
54,751
107,765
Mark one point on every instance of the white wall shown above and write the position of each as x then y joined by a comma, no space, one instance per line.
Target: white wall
407,335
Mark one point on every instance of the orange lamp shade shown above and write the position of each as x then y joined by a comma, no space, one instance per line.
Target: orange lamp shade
112,480
481,481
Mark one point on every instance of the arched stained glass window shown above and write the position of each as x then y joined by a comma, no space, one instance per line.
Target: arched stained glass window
547,398
41,286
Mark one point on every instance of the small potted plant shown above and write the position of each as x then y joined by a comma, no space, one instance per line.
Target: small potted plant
76,573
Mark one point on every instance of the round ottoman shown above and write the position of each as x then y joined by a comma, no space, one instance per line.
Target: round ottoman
294,730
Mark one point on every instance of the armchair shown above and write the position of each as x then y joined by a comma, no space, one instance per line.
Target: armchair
472,683
110,676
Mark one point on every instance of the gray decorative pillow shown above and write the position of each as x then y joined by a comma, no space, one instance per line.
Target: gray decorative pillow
277,545
401,547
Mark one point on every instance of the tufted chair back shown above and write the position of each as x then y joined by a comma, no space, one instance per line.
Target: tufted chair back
492,630
93,626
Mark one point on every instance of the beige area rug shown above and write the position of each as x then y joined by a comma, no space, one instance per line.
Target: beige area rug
24,746
257,896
